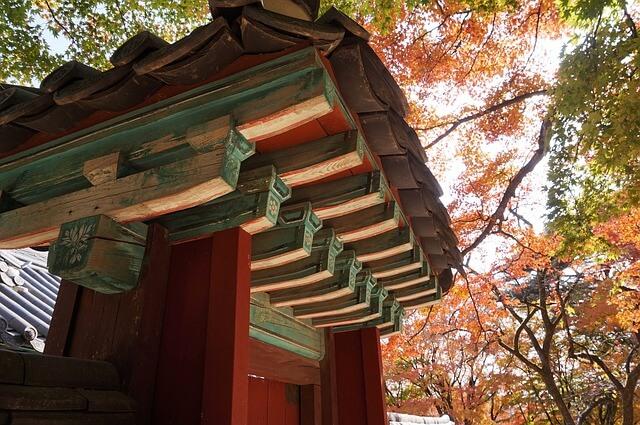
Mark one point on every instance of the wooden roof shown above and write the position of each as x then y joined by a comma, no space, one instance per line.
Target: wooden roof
317,160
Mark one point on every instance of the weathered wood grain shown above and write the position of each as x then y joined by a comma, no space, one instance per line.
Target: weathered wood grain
289,241
100,254
313,161
358,300
366,223
341,283
254,206
277,328
318,266
343,196
397,264
384,245
137,197
103,169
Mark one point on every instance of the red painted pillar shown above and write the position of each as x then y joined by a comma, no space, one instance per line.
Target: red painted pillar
360,388
203,367
225,392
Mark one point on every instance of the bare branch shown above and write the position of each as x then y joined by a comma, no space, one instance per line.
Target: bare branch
498,106
513,186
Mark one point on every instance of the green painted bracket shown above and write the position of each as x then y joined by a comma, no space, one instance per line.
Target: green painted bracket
290,240
99,254
275,327
319,265
254,204
340,197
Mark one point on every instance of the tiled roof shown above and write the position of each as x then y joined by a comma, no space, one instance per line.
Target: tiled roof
27,296
147,69
404,419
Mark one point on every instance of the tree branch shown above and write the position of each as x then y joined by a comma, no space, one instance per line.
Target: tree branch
476,115
513,186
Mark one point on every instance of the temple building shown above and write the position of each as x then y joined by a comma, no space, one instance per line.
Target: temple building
232,222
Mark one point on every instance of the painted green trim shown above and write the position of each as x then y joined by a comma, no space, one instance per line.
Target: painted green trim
275,327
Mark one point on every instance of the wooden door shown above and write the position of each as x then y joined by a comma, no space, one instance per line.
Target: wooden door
273,403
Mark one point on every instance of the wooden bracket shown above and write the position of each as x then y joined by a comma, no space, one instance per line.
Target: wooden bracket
313,161
409,279
318,266
384,245
397,264
341,283
379,297
343,196
289,241
366,223
99,253
254,206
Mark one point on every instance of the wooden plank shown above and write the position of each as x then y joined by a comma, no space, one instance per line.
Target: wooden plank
342,283
392,314
384,245
254,206
343,196
277,328
374,388
318,266
100,254
359,300
11,367
397,264
53,371
366,223
137,197
289,241
71,418
272,362
329,382
312,161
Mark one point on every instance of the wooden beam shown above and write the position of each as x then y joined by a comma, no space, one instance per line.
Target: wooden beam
373,312
136,197
274,363
359,300
100,254
318,266
408,279
254,206
424,301
401,263
413,293
385,245
341,283
366,223
289,241
344,196
103,169
275,327
312,161
390,310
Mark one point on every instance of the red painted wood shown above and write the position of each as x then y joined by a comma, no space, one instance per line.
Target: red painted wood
360,391
62,320
225,389
310,405
329,397
277,403
258,401
178,395
373,376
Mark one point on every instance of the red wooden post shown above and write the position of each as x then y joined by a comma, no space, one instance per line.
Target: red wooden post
225,389
202,375
360,389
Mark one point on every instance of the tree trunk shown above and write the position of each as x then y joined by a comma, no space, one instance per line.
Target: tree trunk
550,383
627,405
